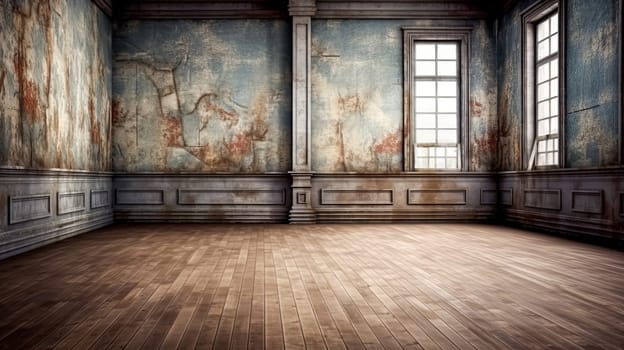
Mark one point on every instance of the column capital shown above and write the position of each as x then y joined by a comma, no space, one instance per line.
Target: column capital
302,7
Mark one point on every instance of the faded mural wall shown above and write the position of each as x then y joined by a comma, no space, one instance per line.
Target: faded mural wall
55,85
591,120
210,95
357,95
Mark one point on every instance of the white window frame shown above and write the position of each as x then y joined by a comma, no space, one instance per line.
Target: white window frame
530,18
461,36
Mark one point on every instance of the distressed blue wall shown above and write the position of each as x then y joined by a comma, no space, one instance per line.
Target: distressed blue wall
357,95
55,85
211,95
592,120
592,83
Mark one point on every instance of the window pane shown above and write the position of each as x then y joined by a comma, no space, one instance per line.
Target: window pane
554,106
447,51
425,88
542,127
440,163
542,110
447,88
422,151
554,44
432,163
425,51
556,146
554,87
554,125
440,152
543,49
543,72
554,68
451,163
542,30
451,152
541,159
554,23
425,121
541,146
543,91
447,136
447,105
425,104
447,68
422,162
425,68
425,136
447,121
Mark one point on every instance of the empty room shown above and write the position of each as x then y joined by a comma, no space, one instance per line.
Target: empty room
311,174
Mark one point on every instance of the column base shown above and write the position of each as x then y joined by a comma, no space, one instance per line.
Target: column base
302,216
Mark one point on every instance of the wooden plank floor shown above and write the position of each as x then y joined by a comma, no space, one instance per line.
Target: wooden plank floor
431,286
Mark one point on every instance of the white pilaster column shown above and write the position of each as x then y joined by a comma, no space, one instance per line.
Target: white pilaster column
301,211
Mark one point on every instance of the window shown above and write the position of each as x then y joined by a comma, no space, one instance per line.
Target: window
436,89
436,102
542,85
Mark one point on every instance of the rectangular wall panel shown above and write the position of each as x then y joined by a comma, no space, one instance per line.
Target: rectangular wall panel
140,197
28,208
542,199
506,196
587,201
70,202
190,196
488,196
100,199
436,197
356,197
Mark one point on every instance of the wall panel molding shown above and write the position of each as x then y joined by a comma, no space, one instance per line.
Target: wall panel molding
357,198
583,201
587,201
193,9
100,199
139,196
454,196
542,198
489,196
202,196
331,196
29,207
226,198
70,202
448,9
38,207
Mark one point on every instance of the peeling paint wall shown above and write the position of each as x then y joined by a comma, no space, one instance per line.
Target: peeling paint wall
483,102
211,95
509,72
592,83
55,86
357,95
591,120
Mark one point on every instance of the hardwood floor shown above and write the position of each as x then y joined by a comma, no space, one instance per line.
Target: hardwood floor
431,286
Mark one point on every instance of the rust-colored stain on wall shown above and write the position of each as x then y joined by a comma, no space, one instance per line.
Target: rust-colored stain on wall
54,103
202,96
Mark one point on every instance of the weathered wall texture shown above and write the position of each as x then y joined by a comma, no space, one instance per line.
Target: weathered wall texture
357,95
591,121
509,72
202,96
55,69
592,83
